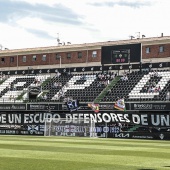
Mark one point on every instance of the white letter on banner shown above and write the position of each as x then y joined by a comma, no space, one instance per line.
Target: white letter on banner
80,117
68,118
17,118
106,117
94,117
3,118
114,117
136,119
164,120
75,118
144,119
48,116
86,118
11,118
126,118
99,118
121,118
36,118
56,118
26,118
155,120
42,117
31,118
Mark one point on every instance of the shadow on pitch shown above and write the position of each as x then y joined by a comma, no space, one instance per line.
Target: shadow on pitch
154,169
146,169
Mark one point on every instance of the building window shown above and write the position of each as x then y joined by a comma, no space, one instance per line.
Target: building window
11,59
161,49
2,60
24,59
34,58
68,55
94,54
79,54
58,56
44,57
148,50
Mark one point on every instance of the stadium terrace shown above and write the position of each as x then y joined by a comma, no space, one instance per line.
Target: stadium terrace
113,89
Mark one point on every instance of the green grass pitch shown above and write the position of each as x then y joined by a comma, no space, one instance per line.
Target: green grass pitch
73,153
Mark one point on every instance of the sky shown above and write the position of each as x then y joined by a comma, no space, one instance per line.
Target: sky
40,23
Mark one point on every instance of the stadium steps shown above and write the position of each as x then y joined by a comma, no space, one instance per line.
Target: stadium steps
46,81
1,81
3,92
104,92
20,97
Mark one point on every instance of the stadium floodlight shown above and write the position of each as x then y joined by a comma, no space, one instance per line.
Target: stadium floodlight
65,127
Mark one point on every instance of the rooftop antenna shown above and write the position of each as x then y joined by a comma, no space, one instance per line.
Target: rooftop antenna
138,35
58,39
131,37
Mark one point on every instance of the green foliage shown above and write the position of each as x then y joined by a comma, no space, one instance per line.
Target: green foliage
73,153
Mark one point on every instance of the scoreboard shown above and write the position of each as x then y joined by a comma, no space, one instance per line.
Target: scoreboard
119,54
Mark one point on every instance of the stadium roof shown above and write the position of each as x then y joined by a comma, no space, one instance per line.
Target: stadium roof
85,46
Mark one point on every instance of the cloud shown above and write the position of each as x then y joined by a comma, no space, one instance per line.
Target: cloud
14,12
135,4
11,11
40,33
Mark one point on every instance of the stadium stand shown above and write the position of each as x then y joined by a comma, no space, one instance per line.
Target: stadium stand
122,86
87,87
49,94
83,87
15,86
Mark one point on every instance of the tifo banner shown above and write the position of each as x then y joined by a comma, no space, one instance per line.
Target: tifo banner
107,123
147,119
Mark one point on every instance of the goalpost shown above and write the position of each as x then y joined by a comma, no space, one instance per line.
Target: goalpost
65,127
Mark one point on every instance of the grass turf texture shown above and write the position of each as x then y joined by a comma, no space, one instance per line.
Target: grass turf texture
71,153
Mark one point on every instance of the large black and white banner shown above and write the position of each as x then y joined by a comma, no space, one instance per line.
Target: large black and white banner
145,118
107,123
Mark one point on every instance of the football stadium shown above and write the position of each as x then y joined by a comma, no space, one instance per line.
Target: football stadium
96,106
